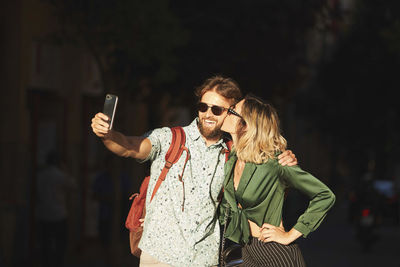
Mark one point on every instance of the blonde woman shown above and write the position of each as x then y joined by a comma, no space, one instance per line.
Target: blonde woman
255,184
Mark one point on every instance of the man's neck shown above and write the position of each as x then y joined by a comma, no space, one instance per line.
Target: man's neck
211,141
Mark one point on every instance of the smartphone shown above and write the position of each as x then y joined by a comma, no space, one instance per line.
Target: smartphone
110,106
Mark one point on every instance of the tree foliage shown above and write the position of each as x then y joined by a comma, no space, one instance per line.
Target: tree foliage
260,43
353,99
130,39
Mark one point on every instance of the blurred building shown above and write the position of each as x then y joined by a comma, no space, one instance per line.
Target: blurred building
49,94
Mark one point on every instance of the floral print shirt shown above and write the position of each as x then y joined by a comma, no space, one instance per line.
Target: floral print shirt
170,234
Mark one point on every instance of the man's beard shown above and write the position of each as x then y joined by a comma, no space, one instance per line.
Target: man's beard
210,134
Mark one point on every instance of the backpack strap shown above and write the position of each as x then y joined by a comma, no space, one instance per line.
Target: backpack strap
173,154
228,143
227,151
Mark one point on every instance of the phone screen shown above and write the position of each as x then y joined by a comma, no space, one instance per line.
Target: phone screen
110,105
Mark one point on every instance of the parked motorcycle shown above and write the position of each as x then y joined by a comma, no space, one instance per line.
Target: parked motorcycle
365,214
366,228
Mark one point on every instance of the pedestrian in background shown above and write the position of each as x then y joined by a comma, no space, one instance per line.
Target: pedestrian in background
53,188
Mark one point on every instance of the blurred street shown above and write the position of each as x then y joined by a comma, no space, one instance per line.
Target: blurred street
93,256
329,68
334,244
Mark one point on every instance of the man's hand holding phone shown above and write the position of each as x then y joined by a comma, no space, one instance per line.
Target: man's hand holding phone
137,147
100,125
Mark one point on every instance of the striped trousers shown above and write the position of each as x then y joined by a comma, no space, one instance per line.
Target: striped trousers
271,254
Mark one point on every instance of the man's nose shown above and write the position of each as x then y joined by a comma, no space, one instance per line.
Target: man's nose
209,112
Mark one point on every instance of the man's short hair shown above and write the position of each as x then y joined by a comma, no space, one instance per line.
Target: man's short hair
226,87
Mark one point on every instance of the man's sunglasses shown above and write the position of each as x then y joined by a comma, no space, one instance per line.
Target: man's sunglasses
216,110
233,112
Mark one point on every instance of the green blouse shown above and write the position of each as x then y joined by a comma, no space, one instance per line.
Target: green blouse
261,192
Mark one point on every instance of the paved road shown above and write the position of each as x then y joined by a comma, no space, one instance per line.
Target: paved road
334,245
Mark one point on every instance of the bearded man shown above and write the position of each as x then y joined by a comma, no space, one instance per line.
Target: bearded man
175,229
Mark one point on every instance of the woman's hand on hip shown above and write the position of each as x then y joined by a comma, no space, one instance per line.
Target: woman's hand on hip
271,233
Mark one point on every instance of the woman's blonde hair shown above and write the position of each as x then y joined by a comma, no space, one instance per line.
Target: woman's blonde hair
263,138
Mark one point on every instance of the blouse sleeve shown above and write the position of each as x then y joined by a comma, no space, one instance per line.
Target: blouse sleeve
321,198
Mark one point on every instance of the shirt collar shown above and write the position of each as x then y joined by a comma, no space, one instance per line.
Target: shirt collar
194,133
